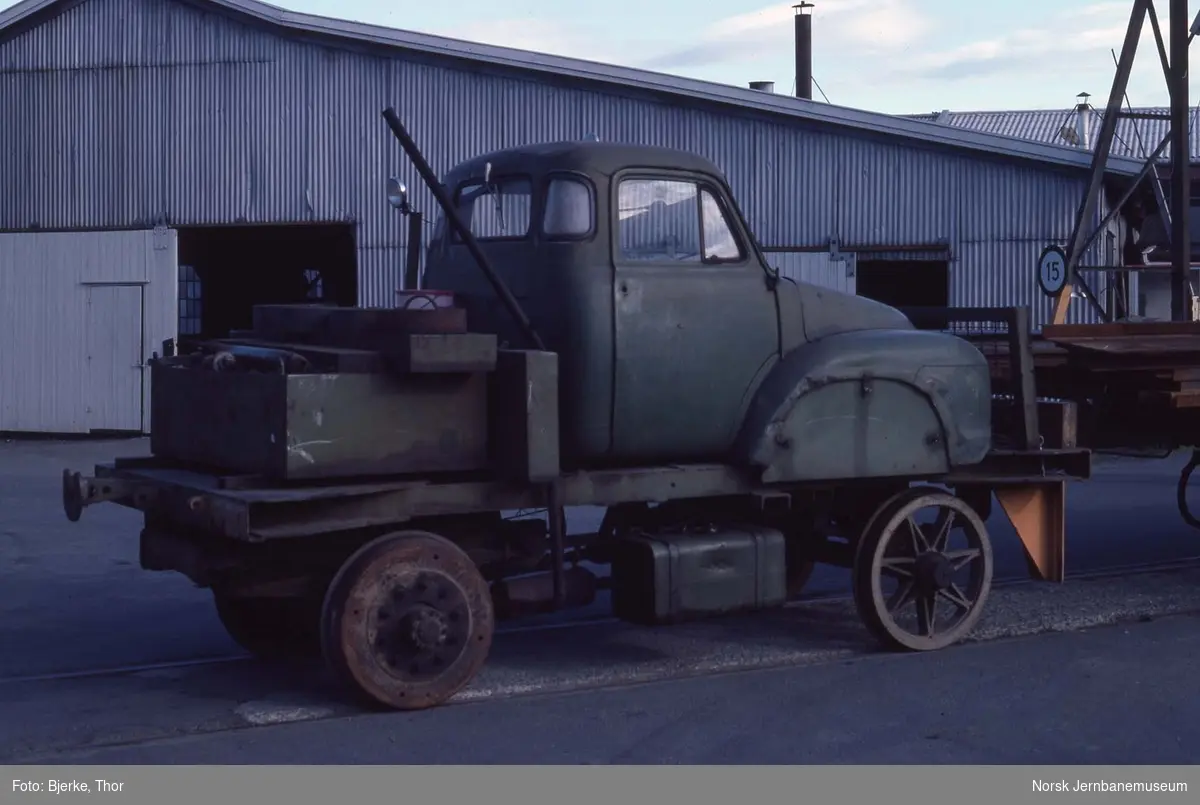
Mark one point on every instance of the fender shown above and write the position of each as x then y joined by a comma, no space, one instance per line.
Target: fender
870,404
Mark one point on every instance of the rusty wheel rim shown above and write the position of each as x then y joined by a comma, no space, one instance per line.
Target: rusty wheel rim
922,586
409,621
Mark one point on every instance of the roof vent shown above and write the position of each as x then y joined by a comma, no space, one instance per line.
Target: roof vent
1083,121
763,86
1078,132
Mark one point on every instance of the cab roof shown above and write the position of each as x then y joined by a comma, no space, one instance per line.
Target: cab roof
585,156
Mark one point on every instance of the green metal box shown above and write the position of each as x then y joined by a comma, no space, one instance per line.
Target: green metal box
312,426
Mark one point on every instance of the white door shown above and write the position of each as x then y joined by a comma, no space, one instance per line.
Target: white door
115,368
816,268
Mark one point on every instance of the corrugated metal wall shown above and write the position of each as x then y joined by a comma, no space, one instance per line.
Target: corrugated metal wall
818,268
79,313
134,111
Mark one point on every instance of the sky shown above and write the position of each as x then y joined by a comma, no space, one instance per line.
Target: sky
895,56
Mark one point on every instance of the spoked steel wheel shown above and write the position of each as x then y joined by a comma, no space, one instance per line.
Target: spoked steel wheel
922,571
408,621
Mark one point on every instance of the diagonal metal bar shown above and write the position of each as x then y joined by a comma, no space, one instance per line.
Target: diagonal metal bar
1181,240
1087,207
1159,194
1115,210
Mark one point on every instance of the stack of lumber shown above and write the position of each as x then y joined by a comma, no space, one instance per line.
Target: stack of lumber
1159,361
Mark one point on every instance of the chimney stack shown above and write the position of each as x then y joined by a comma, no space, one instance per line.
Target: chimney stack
1083,121
763,86
804,49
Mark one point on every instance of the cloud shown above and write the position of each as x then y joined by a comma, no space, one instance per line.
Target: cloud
868,53
540,36
1083,35
851,27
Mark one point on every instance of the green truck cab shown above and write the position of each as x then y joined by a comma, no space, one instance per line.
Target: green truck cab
677,342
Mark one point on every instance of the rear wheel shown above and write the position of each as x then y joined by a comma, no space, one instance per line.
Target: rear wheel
272,628
408,621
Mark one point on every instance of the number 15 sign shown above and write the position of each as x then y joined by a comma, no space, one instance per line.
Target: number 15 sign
1052,270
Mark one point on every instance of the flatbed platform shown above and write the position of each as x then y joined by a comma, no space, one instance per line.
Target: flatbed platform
254,510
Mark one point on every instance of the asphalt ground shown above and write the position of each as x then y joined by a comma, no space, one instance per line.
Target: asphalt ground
104,662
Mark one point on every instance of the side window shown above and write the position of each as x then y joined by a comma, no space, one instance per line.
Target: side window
658,220
570,209
665,219
720,245
500,209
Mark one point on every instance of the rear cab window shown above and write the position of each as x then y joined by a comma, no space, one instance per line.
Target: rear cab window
570,210
499,210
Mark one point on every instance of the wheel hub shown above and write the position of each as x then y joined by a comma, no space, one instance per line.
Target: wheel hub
421,626
934,572
426,627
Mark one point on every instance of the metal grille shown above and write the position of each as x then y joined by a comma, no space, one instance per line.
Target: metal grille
189,301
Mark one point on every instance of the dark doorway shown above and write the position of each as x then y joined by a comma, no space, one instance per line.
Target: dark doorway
224,271
905,283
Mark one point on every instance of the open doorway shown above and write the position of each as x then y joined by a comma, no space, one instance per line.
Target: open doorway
905,283
224,271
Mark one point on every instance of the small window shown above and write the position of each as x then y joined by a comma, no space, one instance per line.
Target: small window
500,209
720,245
570,211
316,289
658,221
671,220
189,301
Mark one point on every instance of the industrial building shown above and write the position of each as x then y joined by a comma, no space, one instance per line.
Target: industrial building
166,164
1137,134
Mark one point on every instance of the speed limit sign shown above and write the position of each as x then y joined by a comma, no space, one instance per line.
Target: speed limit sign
1052,270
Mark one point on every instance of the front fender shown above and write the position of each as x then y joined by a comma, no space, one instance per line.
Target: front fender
870,404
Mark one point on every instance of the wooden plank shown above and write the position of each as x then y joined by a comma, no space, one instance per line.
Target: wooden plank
1056,332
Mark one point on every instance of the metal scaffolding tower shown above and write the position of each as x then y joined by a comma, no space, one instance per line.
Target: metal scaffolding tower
1175,210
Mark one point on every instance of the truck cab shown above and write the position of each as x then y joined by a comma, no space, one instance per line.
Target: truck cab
674,336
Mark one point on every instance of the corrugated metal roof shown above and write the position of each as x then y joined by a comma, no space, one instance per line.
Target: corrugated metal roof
1135,138
921,130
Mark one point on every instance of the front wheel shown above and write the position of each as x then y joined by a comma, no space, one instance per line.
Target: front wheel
922,586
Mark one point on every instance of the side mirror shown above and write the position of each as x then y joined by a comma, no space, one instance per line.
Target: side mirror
397,195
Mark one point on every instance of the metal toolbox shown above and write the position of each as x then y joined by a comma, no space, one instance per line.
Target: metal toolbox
312,426
672,577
